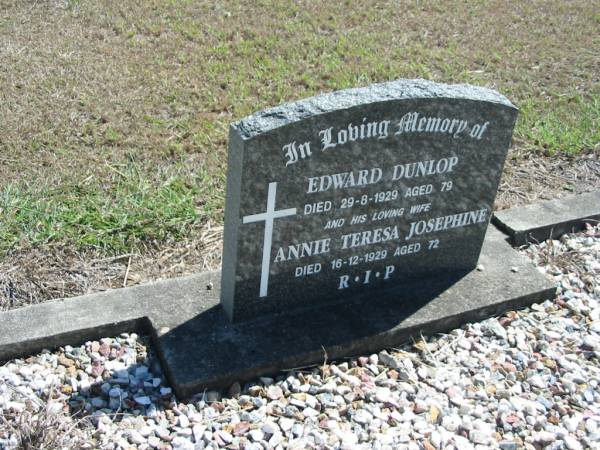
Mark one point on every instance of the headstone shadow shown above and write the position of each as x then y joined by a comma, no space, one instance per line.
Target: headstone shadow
209,342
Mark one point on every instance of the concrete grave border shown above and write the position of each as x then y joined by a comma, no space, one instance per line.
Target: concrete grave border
199,348
548,220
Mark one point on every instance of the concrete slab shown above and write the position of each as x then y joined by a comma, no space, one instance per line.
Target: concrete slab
548,220
200,348
138,309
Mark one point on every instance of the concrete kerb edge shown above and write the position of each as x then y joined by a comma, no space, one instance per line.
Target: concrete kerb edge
522,237
441,325
523,232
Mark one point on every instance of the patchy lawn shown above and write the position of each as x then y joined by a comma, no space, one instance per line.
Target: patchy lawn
114,114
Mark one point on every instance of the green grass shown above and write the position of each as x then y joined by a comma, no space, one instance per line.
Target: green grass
149,88
567,125
128,213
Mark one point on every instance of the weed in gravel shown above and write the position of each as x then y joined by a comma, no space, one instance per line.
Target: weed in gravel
44,426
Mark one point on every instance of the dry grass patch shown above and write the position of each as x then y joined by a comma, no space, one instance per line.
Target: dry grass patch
45,430
87,85
36,274
529,178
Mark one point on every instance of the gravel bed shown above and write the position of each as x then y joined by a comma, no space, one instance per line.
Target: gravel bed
528,379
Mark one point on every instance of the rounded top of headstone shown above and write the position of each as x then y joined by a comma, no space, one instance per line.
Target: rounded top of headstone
272,118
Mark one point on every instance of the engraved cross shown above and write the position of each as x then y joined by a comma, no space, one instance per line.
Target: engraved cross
268,216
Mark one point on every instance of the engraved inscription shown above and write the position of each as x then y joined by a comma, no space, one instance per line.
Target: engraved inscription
367,238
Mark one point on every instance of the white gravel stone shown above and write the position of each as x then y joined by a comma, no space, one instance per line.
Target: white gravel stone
572,443
276,439
115,392
362,416
274,392
162,433
164,391
257,435
54,408
226,437
135,437
464,343
494,327
537,381
451,422
181,443
310,412
270,427
253,446
544,437
98,402
462,443
286,424
571,423
154,442
183,421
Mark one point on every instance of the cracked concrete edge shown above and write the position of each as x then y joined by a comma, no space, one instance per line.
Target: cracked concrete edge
548,220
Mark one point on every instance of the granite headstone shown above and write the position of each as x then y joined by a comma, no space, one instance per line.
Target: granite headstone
355,194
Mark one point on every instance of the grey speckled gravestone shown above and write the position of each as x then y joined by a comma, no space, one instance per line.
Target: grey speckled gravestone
360,193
